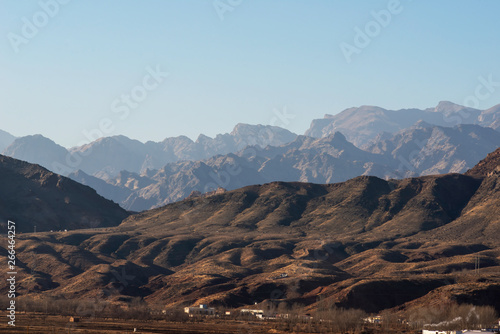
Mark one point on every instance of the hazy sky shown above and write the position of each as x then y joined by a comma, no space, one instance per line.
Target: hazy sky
71,67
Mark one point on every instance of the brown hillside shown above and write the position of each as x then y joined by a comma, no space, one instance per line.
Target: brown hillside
366,243
486,166
32,196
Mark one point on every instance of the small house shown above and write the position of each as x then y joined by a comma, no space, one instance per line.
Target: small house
374,320
201,310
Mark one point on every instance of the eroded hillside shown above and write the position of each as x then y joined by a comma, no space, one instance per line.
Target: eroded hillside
346,243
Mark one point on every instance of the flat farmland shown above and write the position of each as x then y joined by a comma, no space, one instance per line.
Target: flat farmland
36,323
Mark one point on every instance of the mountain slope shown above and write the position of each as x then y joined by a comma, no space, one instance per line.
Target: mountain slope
107,156
487,166
491,117
40,150
425,149
5,140
107,190
32,196
342,244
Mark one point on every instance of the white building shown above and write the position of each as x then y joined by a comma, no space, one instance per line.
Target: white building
456,332
201,310
374,320
254,312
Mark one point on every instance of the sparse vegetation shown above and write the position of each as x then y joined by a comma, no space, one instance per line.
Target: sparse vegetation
453,317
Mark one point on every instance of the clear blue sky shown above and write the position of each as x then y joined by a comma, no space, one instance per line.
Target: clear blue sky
264,55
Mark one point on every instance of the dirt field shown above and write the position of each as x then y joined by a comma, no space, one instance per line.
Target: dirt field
34,324
37,324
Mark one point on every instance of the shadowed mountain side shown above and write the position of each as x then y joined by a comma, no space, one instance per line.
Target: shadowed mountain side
107,190
5,140
481,217
32,196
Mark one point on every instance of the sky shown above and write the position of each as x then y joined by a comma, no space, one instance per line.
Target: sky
74,70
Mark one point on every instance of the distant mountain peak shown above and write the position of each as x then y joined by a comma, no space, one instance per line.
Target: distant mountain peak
78,173
338,137
448,107
36,136
362,124
445,103
422,125
241,128
37,149
369,107
202,138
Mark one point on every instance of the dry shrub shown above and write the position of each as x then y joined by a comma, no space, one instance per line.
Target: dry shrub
342,320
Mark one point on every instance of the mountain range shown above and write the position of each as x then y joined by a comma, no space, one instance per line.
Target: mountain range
358,141
106,157
362,124
421,150
415,241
